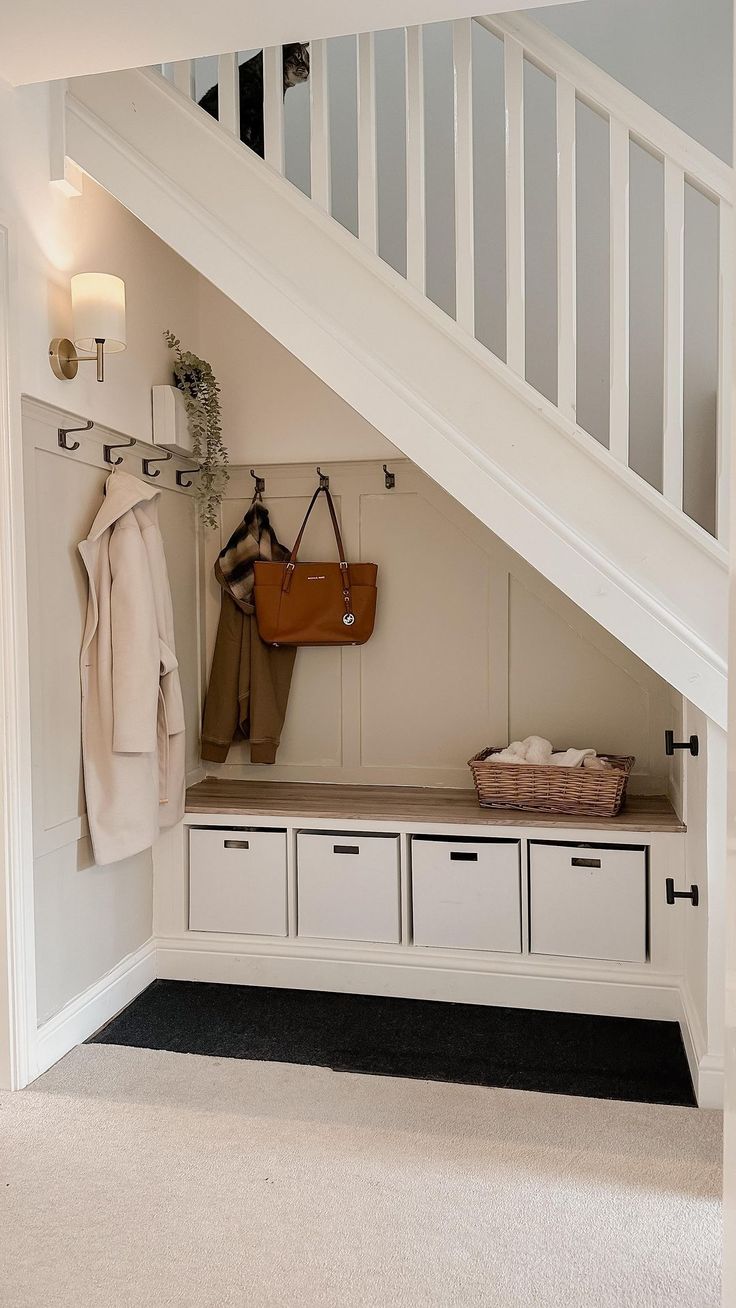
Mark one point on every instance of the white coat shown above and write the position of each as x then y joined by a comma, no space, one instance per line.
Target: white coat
132,711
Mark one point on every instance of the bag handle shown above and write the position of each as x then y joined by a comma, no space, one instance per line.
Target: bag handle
348,616
321,490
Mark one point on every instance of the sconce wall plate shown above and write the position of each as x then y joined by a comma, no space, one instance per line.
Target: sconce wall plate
63,359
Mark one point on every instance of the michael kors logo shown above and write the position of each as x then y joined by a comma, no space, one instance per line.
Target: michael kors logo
320,578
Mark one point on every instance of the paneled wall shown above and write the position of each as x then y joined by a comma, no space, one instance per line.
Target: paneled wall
471,647
87,918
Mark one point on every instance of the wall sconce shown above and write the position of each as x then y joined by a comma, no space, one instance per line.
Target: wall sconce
98,313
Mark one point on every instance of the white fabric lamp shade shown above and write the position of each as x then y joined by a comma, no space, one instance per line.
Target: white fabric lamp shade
98,311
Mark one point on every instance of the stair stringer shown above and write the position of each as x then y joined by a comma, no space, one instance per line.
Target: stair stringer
651,577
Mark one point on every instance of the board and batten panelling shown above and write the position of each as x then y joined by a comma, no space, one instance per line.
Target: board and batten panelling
434,620
471,645
87,918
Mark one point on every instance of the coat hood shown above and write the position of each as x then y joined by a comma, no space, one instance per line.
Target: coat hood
122,493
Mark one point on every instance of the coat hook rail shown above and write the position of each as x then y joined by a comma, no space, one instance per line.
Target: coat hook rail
181,474
119,445
162,458
63,432
324,481
259,481
390,478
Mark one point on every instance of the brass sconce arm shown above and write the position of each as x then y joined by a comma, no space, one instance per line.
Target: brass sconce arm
65,360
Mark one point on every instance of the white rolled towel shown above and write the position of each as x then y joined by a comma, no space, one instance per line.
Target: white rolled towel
514,753
572,758
537,751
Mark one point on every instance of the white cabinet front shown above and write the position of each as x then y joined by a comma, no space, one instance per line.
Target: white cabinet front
466,895
237,881
348,887
588,902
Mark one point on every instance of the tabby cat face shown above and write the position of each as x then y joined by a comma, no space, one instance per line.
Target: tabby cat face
296,64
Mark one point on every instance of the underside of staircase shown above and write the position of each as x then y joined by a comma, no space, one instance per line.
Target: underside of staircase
631,560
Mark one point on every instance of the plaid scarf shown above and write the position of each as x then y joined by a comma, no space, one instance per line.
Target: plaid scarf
254,539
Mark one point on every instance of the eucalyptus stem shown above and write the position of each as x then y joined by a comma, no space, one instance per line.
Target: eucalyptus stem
198,384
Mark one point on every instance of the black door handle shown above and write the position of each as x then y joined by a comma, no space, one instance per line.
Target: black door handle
463,856
671,894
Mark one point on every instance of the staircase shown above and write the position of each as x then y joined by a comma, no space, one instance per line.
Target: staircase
625,552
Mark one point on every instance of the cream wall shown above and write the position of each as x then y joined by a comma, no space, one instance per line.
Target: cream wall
471,647
87,919
53,237
274,409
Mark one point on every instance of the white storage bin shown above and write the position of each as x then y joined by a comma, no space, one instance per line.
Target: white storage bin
237,881
466,894
348,886
588,902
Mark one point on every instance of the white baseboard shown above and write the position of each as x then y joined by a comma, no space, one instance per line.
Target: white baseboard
83,1015
185,958
707,1070
192,958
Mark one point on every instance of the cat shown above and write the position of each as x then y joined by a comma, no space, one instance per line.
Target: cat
250,79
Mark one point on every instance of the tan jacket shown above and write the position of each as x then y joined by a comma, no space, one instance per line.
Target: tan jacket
249,681
132,711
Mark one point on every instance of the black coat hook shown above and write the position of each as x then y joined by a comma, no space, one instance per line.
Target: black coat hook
161,458
390,478
181,474
260,483
121,445
324,482
63,432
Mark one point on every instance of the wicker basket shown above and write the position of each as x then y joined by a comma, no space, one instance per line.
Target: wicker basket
551,789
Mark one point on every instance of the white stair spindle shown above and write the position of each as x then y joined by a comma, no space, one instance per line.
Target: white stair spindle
367,177
319,126
416,226
182,76
513,64
463,104
726,271
273,107
618,439
674,267
566,250
228,93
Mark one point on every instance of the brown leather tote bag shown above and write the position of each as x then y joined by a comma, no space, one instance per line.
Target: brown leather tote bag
315,603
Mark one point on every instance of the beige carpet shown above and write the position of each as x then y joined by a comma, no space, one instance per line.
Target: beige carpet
133,1177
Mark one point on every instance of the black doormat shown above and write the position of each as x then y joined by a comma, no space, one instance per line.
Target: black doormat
522,1049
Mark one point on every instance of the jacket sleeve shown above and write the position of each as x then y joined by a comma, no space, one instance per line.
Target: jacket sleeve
134,643
222,708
